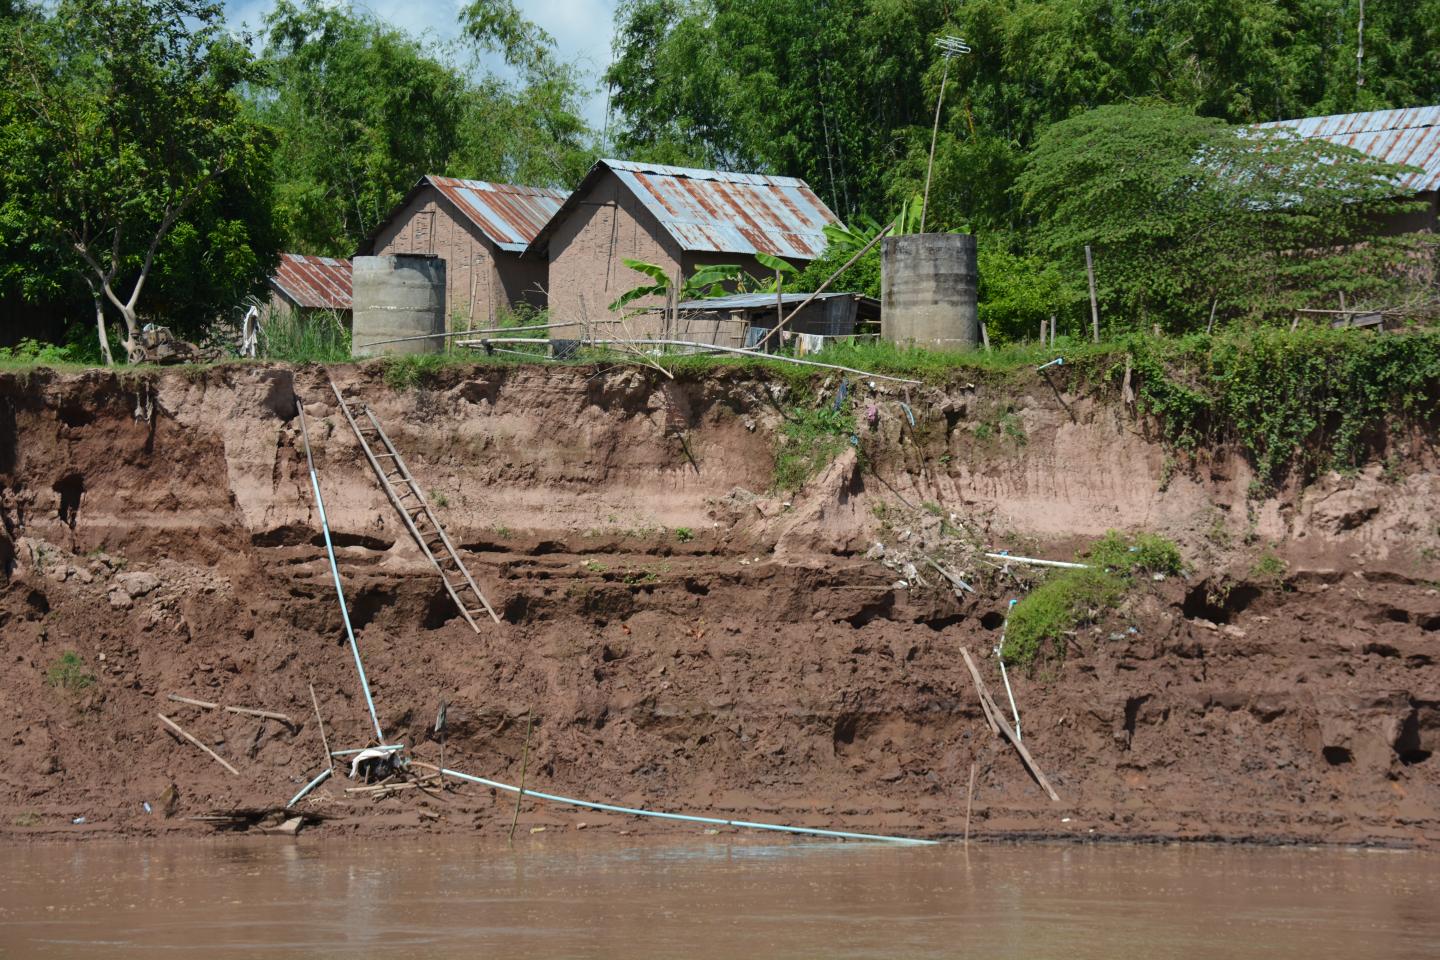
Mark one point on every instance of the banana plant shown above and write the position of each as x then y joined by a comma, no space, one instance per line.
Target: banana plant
705,282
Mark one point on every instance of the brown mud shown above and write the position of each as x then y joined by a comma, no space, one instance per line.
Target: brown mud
684,639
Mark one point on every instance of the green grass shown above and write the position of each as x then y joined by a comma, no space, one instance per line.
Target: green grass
684,534
296,336
1071,598
68,673
1269,569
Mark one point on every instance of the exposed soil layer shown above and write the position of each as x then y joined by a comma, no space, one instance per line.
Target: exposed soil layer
683,639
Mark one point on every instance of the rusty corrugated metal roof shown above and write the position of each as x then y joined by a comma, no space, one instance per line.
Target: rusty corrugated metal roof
1408,136
710,211
314,282
716,212
509,215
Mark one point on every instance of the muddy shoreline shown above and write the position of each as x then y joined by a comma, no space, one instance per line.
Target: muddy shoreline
764,666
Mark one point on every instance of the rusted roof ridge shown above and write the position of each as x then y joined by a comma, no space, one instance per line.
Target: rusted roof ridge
314,282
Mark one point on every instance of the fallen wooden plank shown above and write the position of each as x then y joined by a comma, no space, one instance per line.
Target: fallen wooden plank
177,728
980,691
1008,733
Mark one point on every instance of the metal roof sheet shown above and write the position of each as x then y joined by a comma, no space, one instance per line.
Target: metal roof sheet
1410,136
753,301
508,214
314,282
717,212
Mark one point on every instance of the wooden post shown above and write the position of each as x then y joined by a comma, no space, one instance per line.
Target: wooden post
969,796
1094,303
1211,324
1043,341
985,337
1052,329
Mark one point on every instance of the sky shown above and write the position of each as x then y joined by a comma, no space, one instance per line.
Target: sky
582,29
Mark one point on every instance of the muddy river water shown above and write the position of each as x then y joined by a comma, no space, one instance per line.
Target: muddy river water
713,897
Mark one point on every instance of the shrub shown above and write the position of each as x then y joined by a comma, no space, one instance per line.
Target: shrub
684,534
1074,597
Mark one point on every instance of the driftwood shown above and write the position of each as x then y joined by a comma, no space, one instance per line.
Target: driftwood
176,727
998,720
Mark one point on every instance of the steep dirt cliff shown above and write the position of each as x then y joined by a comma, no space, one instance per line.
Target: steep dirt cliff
685,637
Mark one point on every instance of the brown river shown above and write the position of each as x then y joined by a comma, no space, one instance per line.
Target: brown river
711,897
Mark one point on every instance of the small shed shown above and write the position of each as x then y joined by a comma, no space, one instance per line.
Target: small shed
742,319
480,230
306,284
678,218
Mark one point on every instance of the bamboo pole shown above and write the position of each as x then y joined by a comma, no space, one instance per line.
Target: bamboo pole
320,722
178,729
829,280
245,711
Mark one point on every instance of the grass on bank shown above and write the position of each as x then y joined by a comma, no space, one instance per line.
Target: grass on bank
1071,598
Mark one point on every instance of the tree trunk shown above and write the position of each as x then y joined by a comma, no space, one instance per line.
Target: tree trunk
100,327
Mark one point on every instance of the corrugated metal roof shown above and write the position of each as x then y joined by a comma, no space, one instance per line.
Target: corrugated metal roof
314,282
1410,136
709,211
716,212
753,301
509,215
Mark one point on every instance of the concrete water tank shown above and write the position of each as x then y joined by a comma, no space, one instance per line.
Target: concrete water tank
401,295
927,290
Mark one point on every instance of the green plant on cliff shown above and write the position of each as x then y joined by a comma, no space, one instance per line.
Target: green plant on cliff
68,673
1071,598
808,440
1292,401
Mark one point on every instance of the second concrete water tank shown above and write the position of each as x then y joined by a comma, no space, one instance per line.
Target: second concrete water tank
927,290
397,296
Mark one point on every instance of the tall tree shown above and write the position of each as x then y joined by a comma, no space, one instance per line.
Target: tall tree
123,122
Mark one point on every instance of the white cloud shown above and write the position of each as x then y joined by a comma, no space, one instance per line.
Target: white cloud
582,29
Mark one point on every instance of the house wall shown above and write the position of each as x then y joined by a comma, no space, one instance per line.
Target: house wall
587,249
480,279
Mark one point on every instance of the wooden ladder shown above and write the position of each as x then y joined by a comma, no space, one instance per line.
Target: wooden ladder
410,502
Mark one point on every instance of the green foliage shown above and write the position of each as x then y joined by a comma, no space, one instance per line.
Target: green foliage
809,439
1070,598
1301,401
707,281
1182,211
684,534
127,165
843,94
407,371
68,673
29,353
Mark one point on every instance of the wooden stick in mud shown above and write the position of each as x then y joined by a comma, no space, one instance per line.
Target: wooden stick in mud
176,727
969,796
320,722
524,763
1008,733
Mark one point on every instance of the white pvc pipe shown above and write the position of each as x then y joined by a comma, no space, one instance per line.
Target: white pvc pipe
1039,563
1000,655
685,817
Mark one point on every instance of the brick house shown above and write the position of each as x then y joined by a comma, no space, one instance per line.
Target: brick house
676,217
480,230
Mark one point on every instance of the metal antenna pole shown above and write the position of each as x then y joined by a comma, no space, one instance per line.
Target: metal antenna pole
950,47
